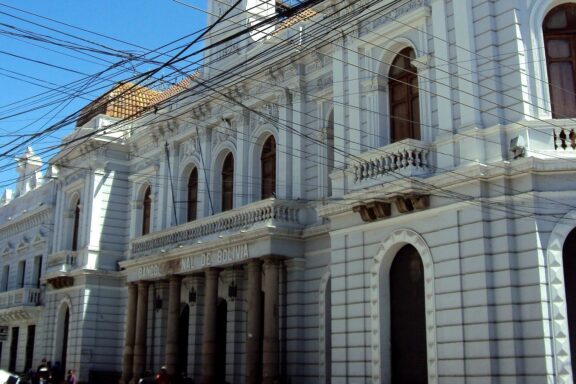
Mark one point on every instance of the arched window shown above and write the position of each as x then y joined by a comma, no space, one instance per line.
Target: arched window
559,29
268,164
228,183
407,318
193,194
329,151
146,211
75,229
404,101
569,264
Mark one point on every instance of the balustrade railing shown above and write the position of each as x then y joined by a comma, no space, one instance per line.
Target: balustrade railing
20,297
269,212
564,139
408,156
63,261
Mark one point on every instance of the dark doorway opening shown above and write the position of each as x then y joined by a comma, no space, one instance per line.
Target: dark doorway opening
30,347
409,362
183,329
221,320
569,263
65,340
13,349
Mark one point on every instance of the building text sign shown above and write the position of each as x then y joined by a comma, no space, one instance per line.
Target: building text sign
185,264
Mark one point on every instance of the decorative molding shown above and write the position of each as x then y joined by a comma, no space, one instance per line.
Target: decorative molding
376,83
324,82
379,285
373,210
265,114
60,282
557,299
26,222
225,131
402,9
409,203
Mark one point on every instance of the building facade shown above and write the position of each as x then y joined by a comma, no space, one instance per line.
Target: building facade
345,192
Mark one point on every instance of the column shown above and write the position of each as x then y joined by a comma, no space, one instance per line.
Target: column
209,353
298,124
172,326
339,87
271,343
468,92
140,331
253,322
284,150
130,333
295,320
354,93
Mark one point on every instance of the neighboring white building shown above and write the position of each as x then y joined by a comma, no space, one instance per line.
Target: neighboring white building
358,192
26,227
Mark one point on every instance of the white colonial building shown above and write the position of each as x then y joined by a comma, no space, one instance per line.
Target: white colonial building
345,192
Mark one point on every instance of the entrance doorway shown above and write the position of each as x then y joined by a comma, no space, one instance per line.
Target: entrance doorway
13,349
30,347
408,318
65,340
61,337
183,329
221,320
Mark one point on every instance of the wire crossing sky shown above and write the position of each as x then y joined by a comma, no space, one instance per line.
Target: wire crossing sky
66,62
51,50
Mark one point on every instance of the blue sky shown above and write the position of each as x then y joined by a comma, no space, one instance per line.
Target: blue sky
146,23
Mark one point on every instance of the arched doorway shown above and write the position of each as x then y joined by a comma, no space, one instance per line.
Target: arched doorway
569,264
62,332
183,330
407,318
221,319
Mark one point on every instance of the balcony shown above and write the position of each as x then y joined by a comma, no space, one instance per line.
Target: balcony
22,297
269,213
62,262
405,158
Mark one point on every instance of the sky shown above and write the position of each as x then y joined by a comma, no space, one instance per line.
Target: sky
40,58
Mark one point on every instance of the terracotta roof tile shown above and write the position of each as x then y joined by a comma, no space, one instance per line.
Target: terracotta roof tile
174,89
128,100
291,21
122,101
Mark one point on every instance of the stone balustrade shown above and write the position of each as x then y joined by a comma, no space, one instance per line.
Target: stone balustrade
408,157
63,261
20,297
269,212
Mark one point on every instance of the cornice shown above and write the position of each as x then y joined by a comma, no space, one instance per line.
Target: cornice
26,222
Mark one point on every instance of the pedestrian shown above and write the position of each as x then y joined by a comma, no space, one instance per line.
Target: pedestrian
43,375
57,373
71,378
147,378
162,377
